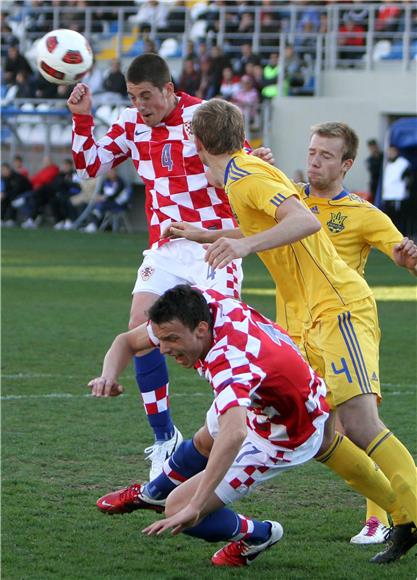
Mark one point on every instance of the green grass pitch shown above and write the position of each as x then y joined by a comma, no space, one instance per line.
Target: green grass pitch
65,296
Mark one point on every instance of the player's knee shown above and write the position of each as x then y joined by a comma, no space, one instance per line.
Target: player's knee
203,441
174,503
361,432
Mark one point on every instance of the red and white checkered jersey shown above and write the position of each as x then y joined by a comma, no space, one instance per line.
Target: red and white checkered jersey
253,363
165,158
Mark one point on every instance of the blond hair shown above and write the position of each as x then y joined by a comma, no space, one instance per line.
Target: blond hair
344,132
220,127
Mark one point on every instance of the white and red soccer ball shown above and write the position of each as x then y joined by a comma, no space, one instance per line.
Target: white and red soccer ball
64,56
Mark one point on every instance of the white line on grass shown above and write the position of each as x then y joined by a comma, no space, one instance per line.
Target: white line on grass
195,394
72,396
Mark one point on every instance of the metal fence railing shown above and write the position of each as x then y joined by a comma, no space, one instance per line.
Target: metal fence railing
351,35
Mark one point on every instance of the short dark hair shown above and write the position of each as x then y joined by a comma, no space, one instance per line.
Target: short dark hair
372,142
149,67
183,303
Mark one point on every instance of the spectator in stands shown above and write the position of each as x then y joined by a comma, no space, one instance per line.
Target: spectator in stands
270,73
65,185
247,98
175,22
230,84
356,15
151,14
107,200
271,26
351,40
309,15
19,166
190,51
23,86
7,38
306,42
15,189
44,89
246,23
207,87
387,19
258,79
219,61
324,23
247,55
294,70
395,187
40,17
114,80
374,165
189,80
15,63
42,194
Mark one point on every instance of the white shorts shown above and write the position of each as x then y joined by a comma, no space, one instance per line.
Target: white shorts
256,461
182,262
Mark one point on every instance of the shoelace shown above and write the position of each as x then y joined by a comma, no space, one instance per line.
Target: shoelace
130,494
155,452
372,526
239,548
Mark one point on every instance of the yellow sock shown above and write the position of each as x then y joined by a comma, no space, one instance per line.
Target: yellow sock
399,467
373,510
352,464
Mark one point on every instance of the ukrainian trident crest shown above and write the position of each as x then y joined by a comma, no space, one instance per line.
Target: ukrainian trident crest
336,222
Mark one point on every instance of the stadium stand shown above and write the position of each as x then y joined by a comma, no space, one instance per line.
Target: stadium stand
315,43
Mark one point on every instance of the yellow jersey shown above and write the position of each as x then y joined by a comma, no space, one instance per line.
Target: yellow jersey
308,272
353,225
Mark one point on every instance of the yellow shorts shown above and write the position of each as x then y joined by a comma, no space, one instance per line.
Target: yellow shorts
343,347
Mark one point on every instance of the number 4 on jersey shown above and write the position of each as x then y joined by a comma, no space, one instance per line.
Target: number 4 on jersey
166,159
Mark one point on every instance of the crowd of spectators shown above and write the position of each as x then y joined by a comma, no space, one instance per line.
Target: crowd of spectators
203,60
53,196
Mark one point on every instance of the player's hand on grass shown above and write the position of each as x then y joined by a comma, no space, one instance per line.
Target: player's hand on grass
104,387
185,518
79,101
265,154
405,254
224,250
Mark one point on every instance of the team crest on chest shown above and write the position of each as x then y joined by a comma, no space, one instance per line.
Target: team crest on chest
146,272
188,130
336,222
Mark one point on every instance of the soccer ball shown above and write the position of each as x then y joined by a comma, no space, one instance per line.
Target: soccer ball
63,56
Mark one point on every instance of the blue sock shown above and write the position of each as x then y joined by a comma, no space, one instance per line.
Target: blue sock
225,524
185,462
152,378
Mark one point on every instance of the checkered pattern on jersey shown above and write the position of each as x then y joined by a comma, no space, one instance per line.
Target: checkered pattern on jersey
233,279
165,158
253,363
156,401
248,476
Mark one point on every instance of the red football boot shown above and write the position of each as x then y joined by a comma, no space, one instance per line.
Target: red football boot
242,553
129,499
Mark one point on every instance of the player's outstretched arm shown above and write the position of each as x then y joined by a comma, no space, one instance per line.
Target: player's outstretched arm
120,354
227,444
202,236
405,254
295,222
79,101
